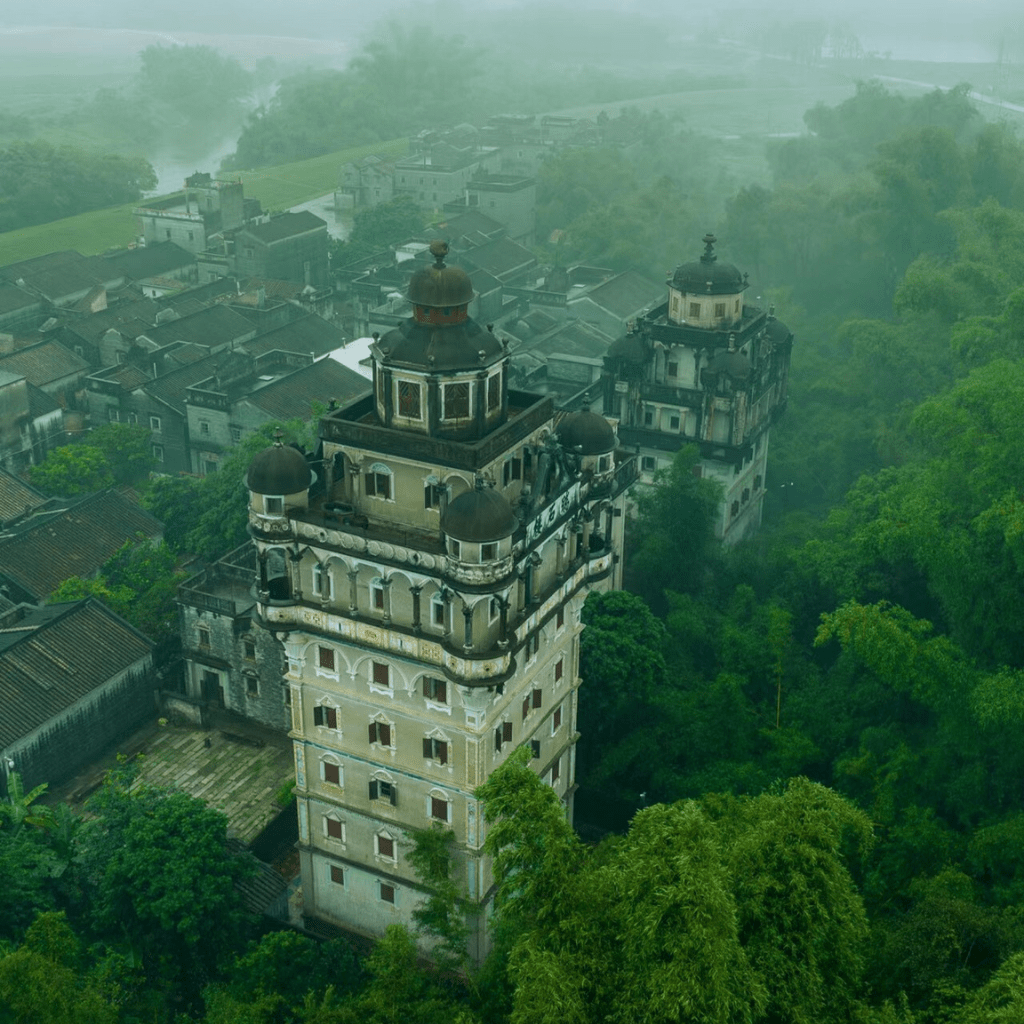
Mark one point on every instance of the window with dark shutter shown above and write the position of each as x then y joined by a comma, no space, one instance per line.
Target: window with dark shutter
337,875
334,828
456,401
506,732
438,809
374,789
517,468
526,706
494,391
560,618
435,690
556,770
556,719
387,893
325,716
378,485
385,846
332,773
326,658
409,399
378,598
537,696
535,747
497,739
381,674
558,669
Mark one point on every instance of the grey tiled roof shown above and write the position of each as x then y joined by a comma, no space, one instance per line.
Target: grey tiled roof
285,225
293,395
16,496
151,260
308,334
57,655
625,294
44,362
52,546
213,326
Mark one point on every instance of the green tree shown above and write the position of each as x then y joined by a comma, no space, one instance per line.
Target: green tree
441,915
128,449
42,981
72,470
161,876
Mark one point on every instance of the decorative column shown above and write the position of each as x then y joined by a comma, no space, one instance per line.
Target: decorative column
503,622
467,613
353,592
295,557
415,590
386,587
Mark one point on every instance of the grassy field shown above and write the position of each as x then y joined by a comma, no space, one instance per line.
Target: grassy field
277,188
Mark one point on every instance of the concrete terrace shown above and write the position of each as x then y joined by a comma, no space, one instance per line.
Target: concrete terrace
224,768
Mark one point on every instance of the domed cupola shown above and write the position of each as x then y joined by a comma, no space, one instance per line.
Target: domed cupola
586,433
478,524
440,372
706,293
277,474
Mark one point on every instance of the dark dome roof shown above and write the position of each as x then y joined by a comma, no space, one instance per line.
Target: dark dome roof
734,363
776,331
587,433
707,276
441,348
479,516
440,286
279,469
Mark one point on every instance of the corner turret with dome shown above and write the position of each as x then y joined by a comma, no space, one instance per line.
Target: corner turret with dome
440,372
709,369
278,478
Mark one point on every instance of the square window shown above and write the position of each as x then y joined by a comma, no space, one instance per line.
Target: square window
381,674
538,695
204,427
673,369
249,648
435,750
335,829
456,548
673,423
273,506
488,552
337,875
386,847
236,435
332,773
158,452
377,593
409,399
439,809
252,686
435,690
387,893
204,636
325,658
325,716
154,423
649,418
432,495
380,732
378,485
648,463
437,612
719,309
695,310
380,790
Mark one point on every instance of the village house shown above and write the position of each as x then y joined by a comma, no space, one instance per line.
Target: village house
74,678
31,422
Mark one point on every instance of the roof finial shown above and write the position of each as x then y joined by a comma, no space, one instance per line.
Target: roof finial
278,434
439,249
709,249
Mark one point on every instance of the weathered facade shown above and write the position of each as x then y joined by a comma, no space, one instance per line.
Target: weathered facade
73,679
427,586
704,368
